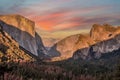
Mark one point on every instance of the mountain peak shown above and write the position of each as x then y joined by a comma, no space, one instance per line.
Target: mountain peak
19,22
102,32
12,15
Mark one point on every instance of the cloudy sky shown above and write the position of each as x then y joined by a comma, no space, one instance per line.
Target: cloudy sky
60,15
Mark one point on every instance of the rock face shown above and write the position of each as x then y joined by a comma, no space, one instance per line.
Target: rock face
9,49
95,51
19,22
65,48
22,30
103,32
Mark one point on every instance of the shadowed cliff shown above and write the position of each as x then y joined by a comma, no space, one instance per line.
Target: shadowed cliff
23,34
10,50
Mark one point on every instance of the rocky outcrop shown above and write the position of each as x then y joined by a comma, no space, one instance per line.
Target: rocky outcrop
66,47
10,50
95,51
103,32
22,30
19,22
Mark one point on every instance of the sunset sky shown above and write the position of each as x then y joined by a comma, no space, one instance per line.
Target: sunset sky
55,15
64,15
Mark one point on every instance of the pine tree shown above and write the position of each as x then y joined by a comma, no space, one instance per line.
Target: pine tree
117,73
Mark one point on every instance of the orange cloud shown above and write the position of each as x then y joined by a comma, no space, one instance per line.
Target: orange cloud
65,18
48,21
66,25
45,25
57,21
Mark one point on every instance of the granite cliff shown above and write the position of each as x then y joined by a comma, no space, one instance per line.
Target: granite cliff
23,31
10,50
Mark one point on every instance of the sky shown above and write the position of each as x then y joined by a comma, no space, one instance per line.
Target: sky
64,16
57,15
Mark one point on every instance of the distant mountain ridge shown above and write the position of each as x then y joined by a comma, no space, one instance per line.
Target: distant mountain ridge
66,48
23,31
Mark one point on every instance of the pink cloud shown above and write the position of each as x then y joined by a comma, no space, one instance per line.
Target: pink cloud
65,18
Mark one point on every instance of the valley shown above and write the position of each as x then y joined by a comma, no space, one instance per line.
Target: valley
89,56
